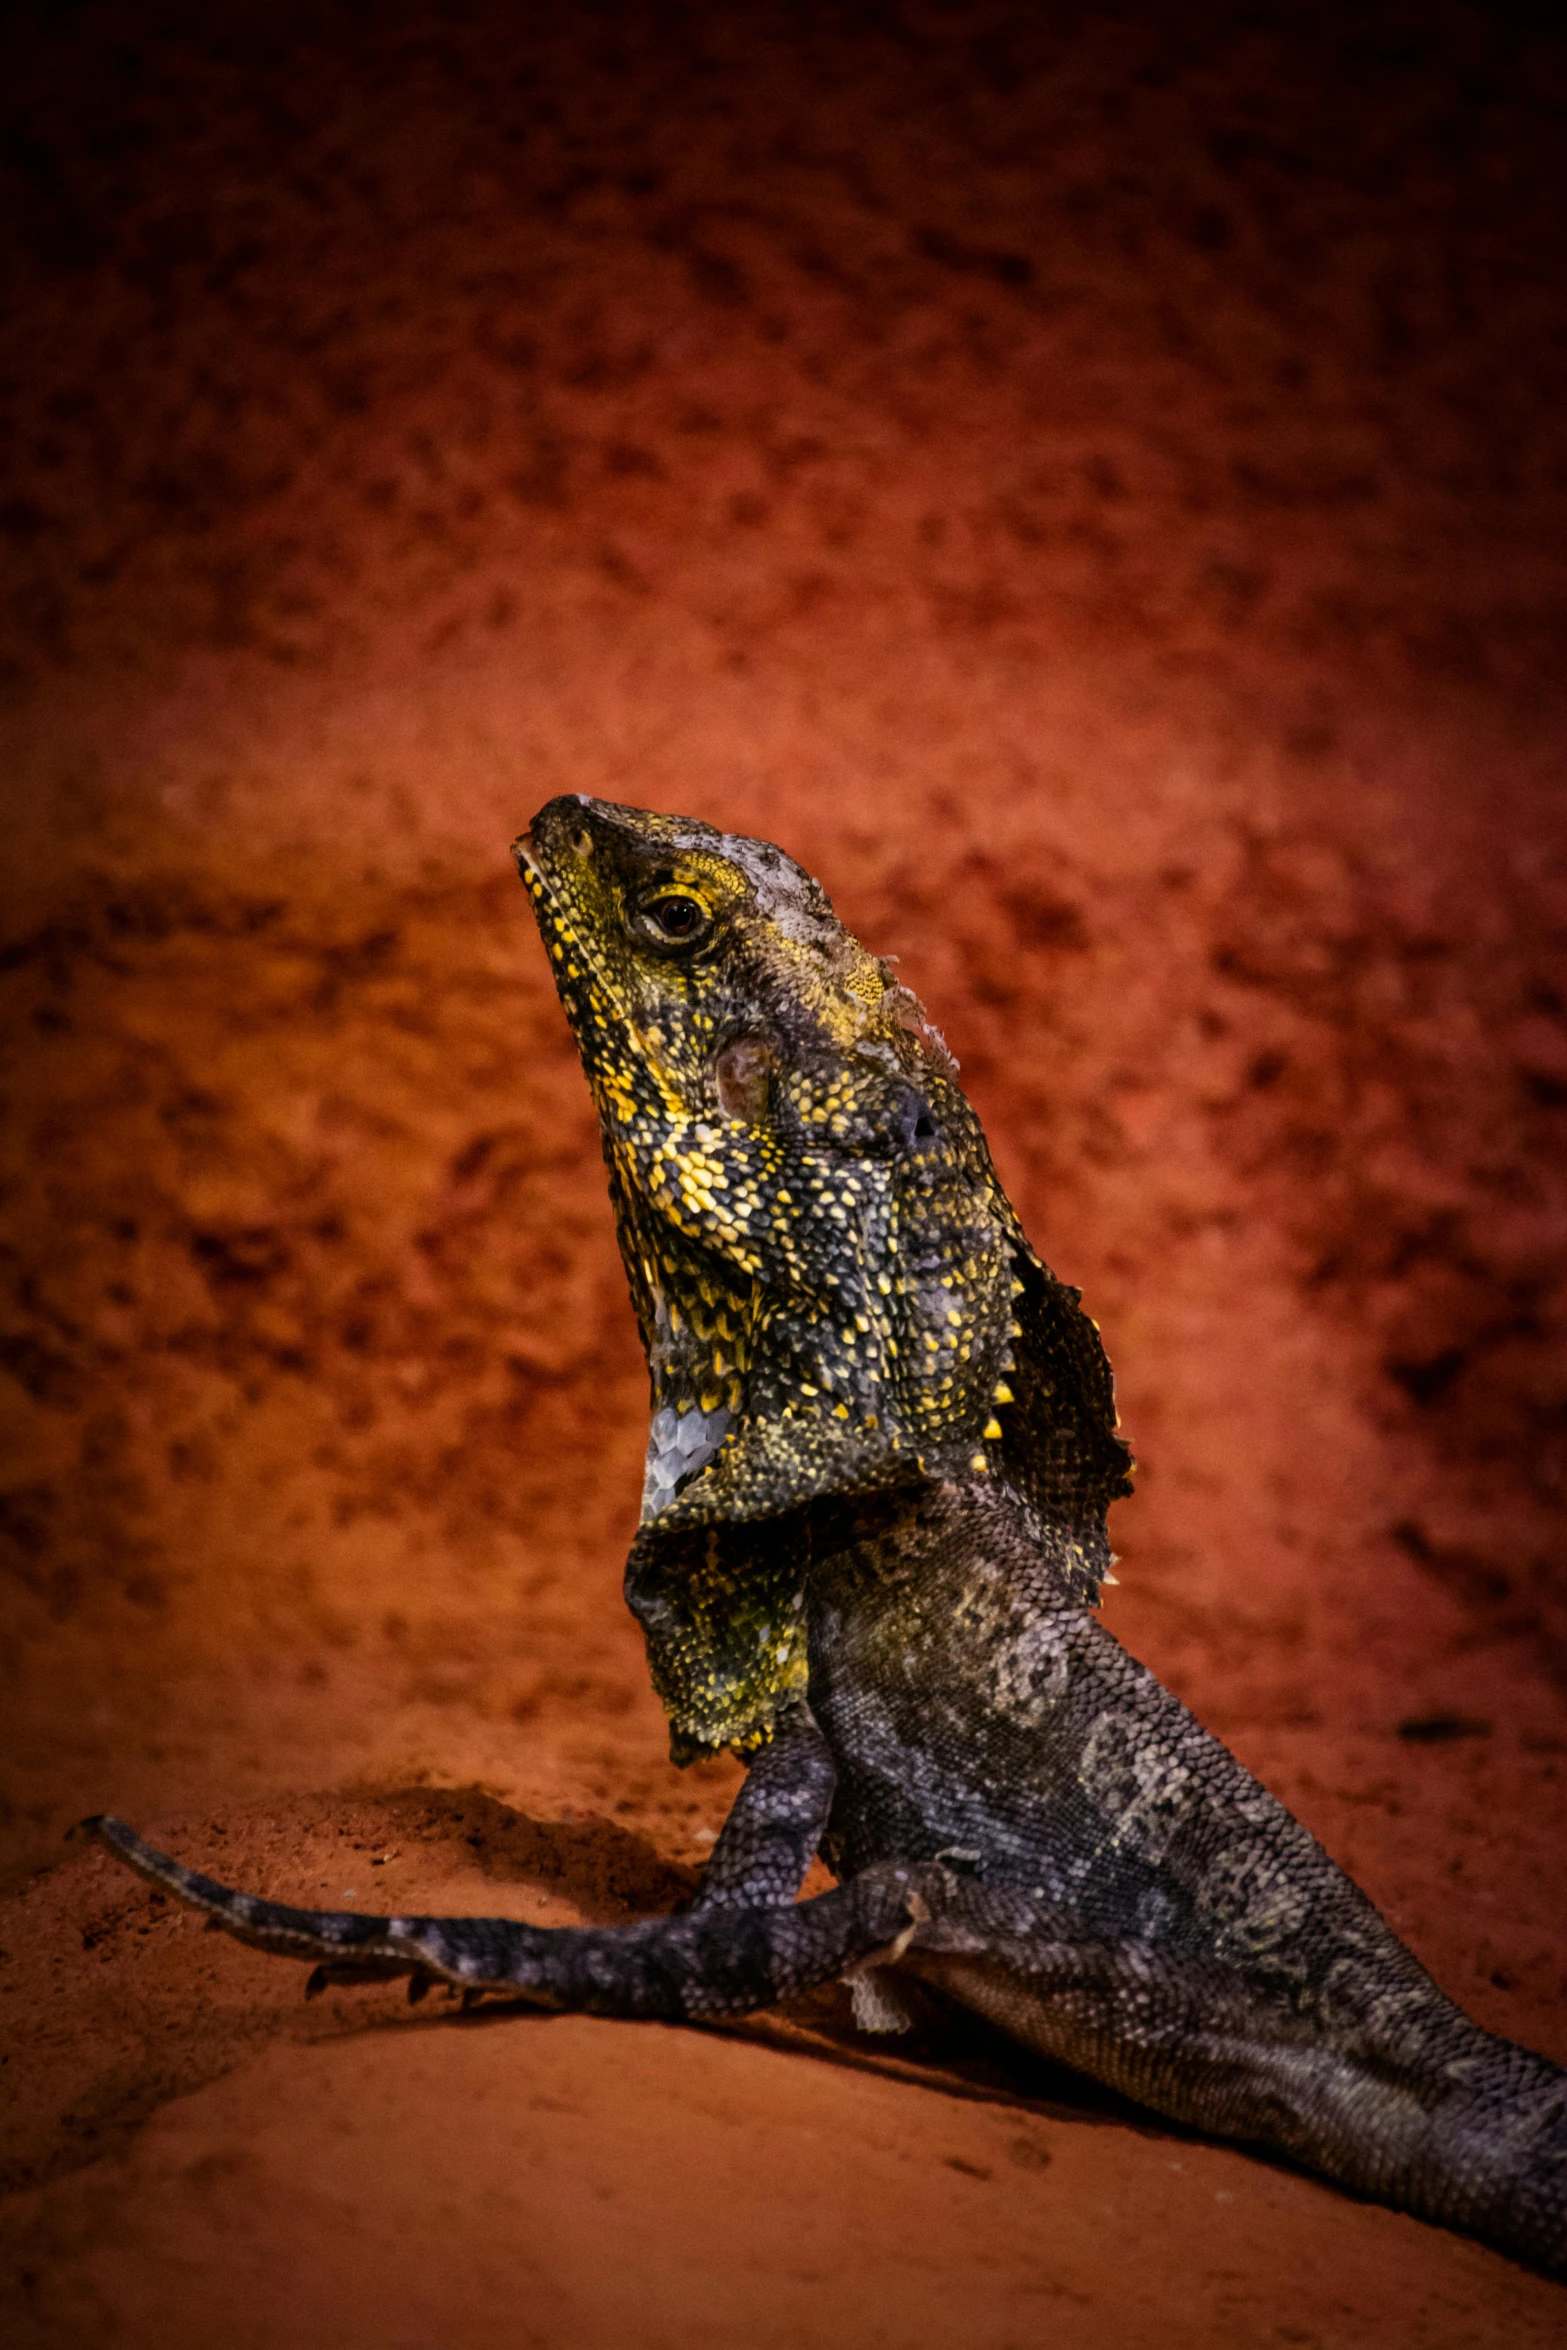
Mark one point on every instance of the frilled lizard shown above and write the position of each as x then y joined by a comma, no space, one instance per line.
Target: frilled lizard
883,1444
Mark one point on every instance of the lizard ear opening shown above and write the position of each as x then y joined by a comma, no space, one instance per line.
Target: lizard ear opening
742,1079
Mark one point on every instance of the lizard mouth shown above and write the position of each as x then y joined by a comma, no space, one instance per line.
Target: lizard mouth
550,905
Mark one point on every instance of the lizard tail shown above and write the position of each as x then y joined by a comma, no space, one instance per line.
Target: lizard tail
707,1963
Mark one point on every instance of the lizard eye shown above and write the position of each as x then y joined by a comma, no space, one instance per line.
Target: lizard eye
674,919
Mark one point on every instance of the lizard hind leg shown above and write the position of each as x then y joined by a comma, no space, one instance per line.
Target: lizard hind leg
341,1946
709,1962
1404,2100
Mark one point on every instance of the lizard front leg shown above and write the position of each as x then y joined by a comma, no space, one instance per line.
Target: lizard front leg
710,1962
776,1821
769,1840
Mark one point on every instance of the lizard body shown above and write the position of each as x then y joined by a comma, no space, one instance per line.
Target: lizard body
882,1446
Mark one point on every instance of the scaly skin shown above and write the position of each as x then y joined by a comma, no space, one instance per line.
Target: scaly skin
873,1534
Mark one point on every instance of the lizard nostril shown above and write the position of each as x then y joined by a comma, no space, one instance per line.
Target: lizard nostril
582,842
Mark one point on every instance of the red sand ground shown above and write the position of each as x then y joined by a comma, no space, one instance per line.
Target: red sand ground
1095,491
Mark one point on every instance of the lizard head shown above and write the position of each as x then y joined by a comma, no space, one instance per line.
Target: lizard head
832,1288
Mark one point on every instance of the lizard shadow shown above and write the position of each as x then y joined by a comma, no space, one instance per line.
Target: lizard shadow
607,1873
948,2052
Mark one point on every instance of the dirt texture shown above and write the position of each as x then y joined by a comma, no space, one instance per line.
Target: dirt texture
1092,484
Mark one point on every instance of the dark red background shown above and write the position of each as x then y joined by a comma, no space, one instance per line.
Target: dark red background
1093,485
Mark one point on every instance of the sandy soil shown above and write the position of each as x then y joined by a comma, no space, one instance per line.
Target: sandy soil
1095,491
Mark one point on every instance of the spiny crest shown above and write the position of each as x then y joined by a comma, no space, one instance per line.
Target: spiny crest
833,1291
